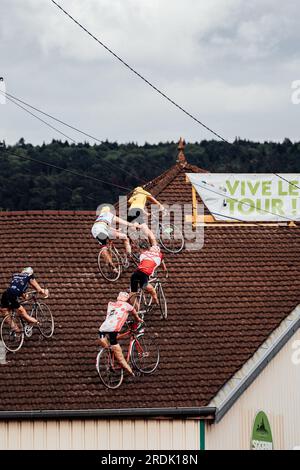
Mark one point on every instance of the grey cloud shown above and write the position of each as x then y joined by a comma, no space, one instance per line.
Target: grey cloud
230,62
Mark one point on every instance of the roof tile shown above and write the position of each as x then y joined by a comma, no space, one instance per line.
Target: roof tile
224,300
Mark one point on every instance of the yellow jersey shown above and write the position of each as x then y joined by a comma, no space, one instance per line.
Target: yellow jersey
139,199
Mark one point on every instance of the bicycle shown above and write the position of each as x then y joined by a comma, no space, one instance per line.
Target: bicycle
168,235
111,271
145,301
143,354
14,328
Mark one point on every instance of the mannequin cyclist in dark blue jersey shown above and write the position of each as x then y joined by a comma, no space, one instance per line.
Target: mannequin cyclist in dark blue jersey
18,286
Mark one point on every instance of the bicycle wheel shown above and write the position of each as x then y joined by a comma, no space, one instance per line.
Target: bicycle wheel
111,271
171,238
12,340
45,318
145,354
163,306
110,374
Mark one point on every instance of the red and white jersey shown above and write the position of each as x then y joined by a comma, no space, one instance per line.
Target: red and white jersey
149,262
117,314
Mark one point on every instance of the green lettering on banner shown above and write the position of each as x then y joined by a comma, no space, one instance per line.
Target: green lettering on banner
266,190
243,188
231,203
258,206
294,205
246,206
277,206
232,189
253,188
281,192
293,189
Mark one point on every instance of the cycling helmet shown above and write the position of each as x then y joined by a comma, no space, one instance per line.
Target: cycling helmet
105,209
123,296
28,271
144,245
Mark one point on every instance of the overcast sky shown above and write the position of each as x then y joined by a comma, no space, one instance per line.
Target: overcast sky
231,63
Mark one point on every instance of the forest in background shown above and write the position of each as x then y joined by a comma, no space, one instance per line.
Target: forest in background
28,185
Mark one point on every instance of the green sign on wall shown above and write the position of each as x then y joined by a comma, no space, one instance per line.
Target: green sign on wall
261,438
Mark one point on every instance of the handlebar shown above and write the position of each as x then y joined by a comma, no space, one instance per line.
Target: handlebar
130,324
33,293
156,215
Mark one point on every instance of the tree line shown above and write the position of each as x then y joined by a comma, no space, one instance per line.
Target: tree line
28,185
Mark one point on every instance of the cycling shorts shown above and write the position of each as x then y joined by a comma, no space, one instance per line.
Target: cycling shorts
136,215
9,300
112,336
138,279
102,238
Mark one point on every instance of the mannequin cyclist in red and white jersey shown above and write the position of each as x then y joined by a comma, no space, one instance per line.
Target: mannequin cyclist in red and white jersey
150,259
117,314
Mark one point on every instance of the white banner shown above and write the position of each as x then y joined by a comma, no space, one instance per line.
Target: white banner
249,197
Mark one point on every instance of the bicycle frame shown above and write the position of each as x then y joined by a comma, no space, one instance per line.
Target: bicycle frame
141,292
133,337
13,312
128,333
35,304
111,246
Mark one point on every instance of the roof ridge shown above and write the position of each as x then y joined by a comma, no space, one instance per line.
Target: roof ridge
162,181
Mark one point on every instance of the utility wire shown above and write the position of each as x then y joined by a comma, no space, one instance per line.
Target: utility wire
40,119
147,81
139,75
8,95
128,189
83,176
12,97
74,173
284,179
234,218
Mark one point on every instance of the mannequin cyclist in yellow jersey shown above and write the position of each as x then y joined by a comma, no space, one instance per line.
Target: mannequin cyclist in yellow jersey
137,212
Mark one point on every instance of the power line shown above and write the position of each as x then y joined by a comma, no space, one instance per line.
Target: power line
82,176
284,179
74,173
8,95
40,119
240,201
12,97
139,75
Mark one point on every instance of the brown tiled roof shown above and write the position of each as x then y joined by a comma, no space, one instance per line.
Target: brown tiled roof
224,301
171,185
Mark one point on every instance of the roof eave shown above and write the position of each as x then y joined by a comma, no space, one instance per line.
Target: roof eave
253,373
193,412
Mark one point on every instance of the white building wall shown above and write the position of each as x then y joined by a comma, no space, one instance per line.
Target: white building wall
276,391
100,434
